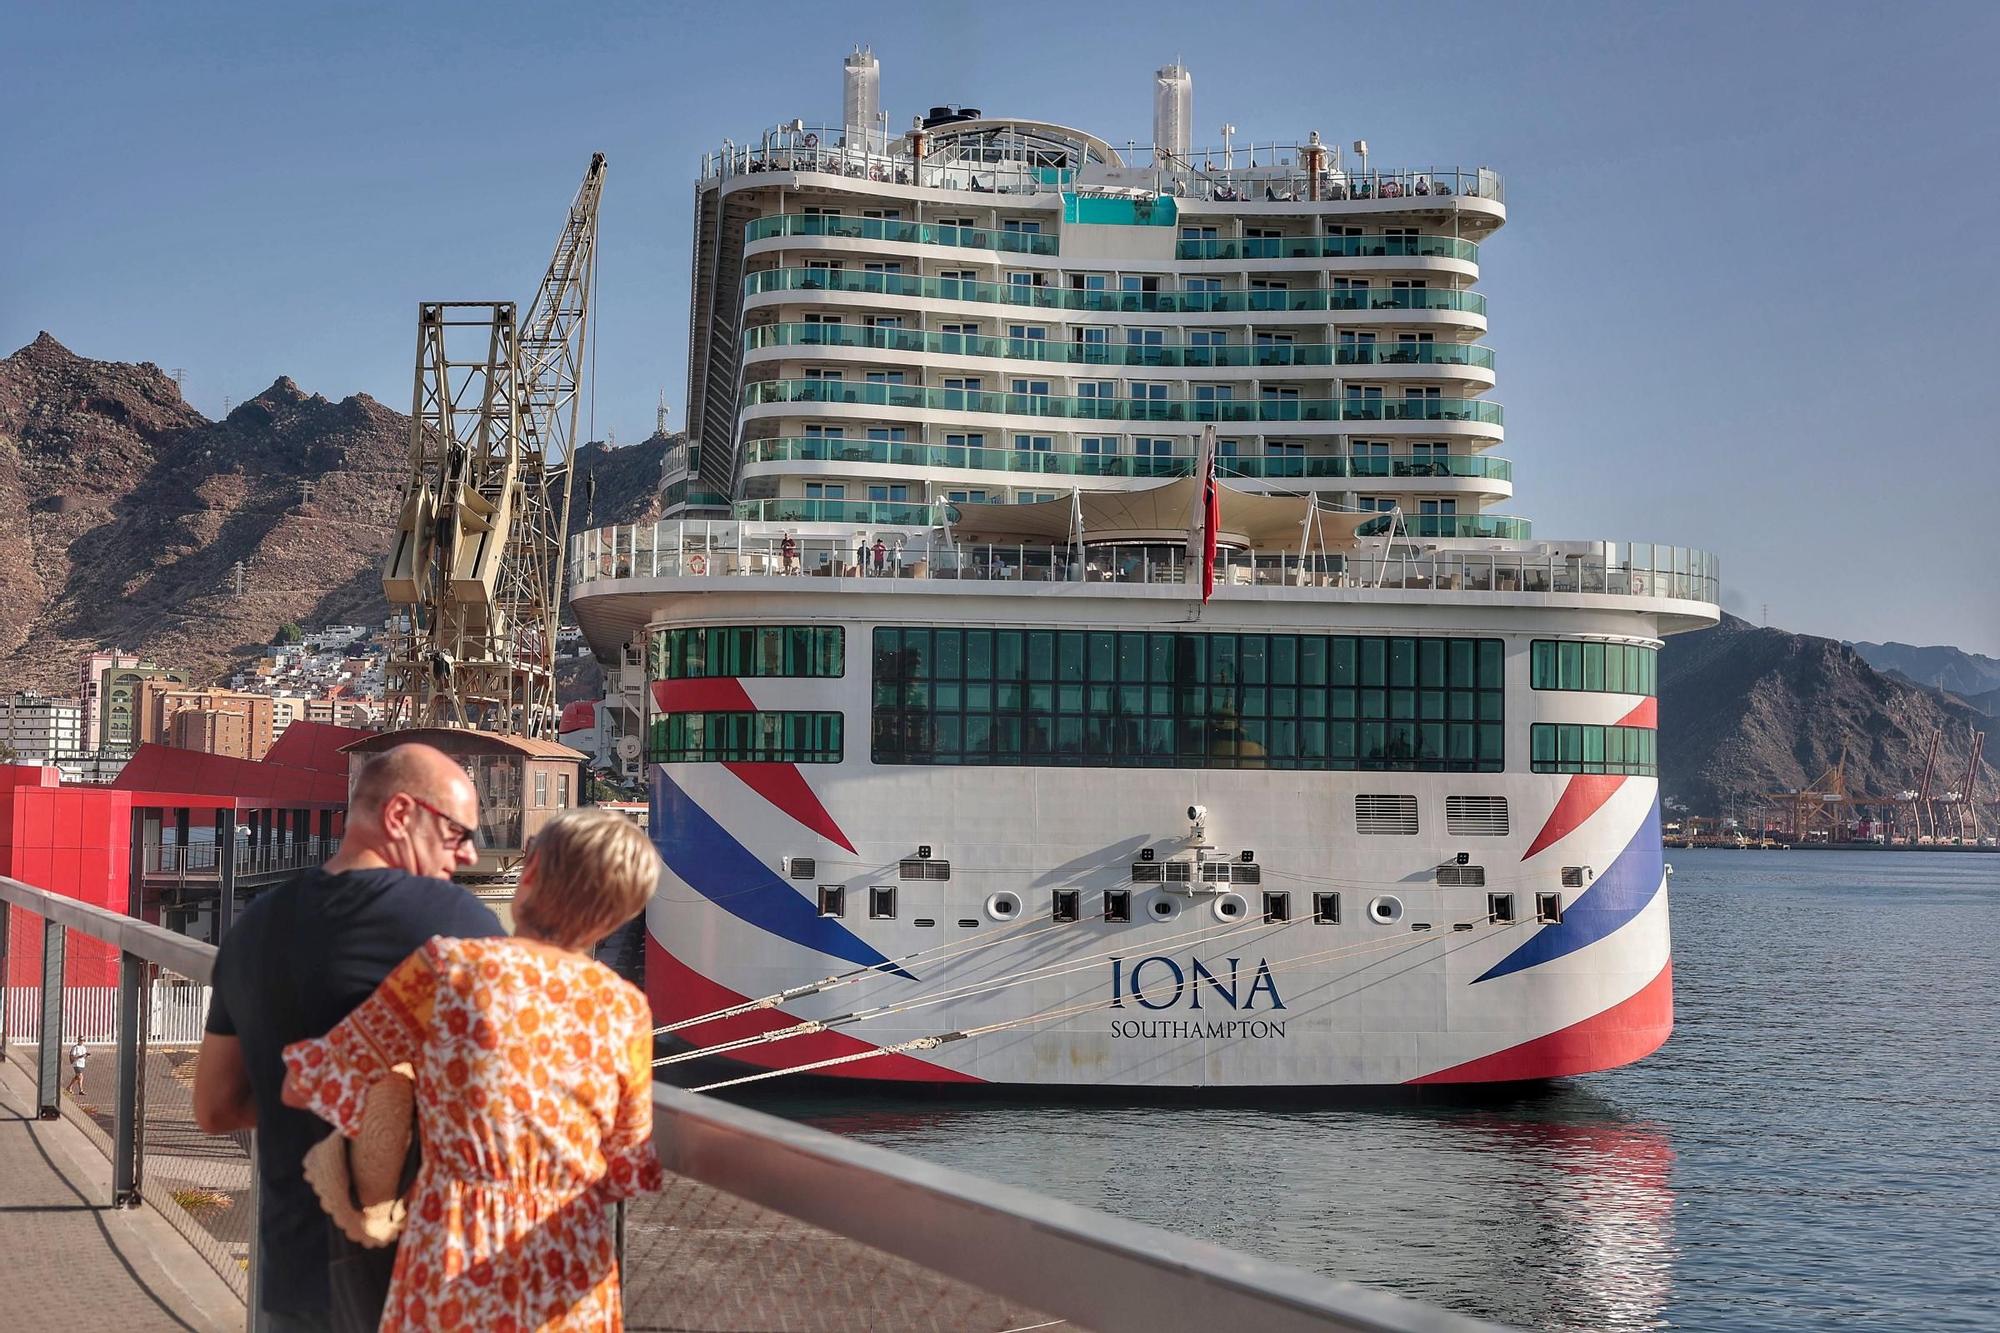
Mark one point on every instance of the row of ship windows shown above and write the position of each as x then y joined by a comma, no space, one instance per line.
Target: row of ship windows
1216,739
920,655
1115,907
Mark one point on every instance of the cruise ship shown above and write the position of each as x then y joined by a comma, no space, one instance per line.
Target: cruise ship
1082,648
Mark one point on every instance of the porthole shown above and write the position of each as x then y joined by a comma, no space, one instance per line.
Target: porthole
1163,908
1386,910
1230,907
1003,906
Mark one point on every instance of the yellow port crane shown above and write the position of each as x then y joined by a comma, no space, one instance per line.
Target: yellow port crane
476,567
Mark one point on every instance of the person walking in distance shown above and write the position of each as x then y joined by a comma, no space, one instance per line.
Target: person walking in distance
79,1056
298,961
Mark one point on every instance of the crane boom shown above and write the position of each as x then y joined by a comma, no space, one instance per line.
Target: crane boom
477,564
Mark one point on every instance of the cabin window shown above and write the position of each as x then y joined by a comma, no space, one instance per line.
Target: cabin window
1277,908
1549,908
1326,909
1500,908
832,900
1065,904
1118,905
882,903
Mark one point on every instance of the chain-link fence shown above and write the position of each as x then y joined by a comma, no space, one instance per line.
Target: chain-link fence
200,1183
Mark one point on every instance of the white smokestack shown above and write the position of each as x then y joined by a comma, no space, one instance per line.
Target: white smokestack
861,95
1173,112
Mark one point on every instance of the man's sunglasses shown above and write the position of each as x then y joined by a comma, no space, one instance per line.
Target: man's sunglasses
457,835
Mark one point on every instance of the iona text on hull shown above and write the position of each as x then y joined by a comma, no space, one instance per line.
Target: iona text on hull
960,771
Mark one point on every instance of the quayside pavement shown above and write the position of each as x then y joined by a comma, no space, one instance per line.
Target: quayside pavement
69,1259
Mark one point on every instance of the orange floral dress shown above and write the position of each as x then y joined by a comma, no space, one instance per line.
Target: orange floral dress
534,1103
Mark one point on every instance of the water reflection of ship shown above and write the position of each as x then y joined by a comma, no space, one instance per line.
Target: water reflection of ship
1551,1210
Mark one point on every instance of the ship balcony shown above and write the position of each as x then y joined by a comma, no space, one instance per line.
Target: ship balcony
919,243
1407,304
1020,240
1009,241
1445,363
1428,415
1475,475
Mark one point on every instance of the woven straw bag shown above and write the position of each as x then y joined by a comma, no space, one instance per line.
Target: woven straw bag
357,1182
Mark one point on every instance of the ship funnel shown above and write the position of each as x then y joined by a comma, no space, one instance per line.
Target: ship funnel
861,95
1173,112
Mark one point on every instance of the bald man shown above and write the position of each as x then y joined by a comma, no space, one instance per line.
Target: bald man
296,962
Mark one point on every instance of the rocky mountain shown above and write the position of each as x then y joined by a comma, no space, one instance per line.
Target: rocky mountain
1744,711
125,513
1964,674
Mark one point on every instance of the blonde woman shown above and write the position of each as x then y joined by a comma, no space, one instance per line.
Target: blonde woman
533,1091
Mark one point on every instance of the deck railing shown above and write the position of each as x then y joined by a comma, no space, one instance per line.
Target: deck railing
718,550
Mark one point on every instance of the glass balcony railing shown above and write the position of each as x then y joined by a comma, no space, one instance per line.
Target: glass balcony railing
1053,462
896,513
904,233
1327,247
673,548
1495,527
1114,302
1052,351
1426,408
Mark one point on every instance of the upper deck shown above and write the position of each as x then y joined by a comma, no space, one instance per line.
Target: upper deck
620,577
992,155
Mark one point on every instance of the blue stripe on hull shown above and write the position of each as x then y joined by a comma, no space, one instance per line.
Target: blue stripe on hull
724,871
1617,895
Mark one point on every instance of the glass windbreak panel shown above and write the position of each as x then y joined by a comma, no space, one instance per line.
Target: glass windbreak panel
1609,668
1189,700
705,651
745,737
1569,748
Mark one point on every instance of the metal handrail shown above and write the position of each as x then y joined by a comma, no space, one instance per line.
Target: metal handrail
1102,1272
155,944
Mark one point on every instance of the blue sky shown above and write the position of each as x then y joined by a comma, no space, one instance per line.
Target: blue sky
1743,300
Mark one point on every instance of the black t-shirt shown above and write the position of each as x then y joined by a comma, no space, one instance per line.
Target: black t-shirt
298,960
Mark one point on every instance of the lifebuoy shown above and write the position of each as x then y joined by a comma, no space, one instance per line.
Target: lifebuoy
812,141
697,564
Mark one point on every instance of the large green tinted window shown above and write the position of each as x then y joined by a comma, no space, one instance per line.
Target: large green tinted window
748,650
1614,668
1562,747
1103,699
745,737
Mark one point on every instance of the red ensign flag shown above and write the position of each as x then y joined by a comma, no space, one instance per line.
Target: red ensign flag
1205,514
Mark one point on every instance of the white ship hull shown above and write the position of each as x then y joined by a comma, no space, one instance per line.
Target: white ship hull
1416,982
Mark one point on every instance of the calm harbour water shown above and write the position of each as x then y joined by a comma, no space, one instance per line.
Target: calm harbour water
1815,1146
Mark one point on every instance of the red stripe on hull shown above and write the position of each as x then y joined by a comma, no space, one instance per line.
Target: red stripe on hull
1647,714
679,992
713,694
785,787
1583,797
1627,1031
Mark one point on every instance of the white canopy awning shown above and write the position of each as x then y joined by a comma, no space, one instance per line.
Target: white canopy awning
1159,513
